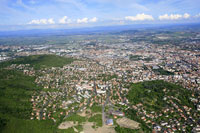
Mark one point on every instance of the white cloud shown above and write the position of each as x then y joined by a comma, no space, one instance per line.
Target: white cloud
174,16
34,21
186,15
84,20
197,16
65,20
139,17
170,17
42,21
51,21
93,19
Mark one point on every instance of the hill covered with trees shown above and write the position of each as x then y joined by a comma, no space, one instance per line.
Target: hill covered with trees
157,102
40,61
16,90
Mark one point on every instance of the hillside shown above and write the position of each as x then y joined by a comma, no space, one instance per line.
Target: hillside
16,90
151,93
40,61
156,102
15,105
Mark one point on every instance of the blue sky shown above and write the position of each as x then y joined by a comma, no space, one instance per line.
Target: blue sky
33,14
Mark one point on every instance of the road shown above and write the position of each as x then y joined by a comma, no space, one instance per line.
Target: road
103,106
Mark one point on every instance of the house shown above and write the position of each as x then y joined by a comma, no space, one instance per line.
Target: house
198,107
163,123
109,122
196,129
101,92
116,113
157,128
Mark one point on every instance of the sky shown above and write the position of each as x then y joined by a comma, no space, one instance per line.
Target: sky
58,14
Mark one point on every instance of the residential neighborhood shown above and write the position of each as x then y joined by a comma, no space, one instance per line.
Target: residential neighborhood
99,79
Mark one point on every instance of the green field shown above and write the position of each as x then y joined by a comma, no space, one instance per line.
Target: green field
40,61
97,119
161,71
139,57
96,108
119,129
135,57
76,118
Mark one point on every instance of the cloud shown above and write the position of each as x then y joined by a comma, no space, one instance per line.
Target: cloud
186,15
42,21
65,20
51,21
197,16
139,7
170,17
174,16
84,20
38,21
139,17
93,19
21,3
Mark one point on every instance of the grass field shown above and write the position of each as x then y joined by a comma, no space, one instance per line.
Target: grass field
161,71
76,117
97,119
96,108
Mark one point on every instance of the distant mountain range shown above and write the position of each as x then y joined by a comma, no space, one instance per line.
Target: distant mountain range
96,30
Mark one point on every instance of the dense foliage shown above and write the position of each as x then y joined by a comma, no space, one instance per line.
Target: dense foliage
151,95
135,57
119,129
161,71
139,57
40,61
16,90
15,106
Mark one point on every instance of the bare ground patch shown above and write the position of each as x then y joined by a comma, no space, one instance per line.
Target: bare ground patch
67,124
87,128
